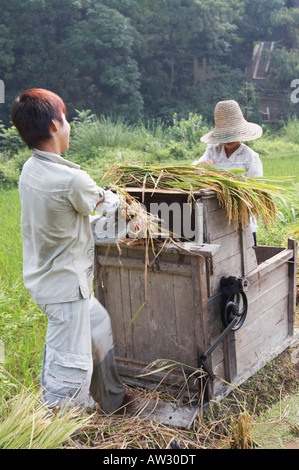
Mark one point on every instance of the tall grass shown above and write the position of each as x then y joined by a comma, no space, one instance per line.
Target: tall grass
290,129
24,422
28,424
22,324
279,149
93,133
275,166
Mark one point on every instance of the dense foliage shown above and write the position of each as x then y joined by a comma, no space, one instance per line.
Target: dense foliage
140,58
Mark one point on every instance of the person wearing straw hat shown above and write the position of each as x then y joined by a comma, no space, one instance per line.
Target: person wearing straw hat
226,149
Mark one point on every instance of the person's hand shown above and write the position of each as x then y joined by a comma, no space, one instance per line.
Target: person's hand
101,200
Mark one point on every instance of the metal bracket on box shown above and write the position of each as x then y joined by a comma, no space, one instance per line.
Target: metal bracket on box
232,315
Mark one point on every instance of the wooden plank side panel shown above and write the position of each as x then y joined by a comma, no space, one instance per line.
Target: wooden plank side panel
162,304
236,256
272,336
126,312
266,322
262,296
216,223
265,296
164,328
230,246
114,306
292,272
265,341
266,325
270,265
172,311
177,265
258,275
143,326
184,314
212,204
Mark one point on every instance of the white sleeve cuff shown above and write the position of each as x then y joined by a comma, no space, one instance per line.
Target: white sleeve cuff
110,204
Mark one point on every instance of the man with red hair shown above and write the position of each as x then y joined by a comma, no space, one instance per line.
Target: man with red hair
58,248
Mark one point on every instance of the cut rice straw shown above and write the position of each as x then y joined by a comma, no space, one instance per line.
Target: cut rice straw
242,197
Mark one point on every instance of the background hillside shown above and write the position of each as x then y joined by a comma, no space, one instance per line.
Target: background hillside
144,59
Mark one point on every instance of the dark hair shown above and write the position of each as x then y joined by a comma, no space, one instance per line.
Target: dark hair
32,113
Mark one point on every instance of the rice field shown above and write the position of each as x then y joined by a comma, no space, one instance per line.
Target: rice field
23,326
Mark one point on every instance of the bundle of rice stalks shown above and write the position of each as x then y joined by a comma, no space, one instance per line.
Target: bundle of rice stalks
240,196
28,424
141,225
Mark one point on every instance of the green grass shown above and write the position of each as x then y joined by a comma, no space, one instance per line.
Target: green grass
22,325
281,165
288,211
24,422
278,427
279,152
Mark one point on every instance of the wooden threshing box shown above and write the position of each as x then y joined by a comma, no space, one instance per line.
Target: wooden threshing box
181,318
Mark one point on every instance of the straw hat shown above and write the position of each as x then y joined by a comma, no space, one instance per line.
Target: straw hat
230,125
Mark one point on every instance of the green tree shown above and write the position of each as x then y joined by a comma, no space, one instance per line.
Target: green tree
286,23
35,29
138,58
285,58
99,56
176,34
79,49
253,25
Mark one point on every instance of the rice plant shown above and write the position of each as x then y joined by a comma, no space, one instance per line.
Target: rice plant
25,423
241,434
240,196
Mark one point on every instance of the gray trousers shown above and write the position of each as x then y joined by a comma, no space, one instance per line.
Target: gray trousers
78,362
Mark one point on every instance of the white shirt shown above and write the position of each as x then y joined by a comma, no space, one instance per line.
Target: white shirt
242,158
58,248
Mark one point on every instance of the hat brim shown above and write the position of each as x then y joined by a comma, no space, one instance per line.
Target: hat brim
246,132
